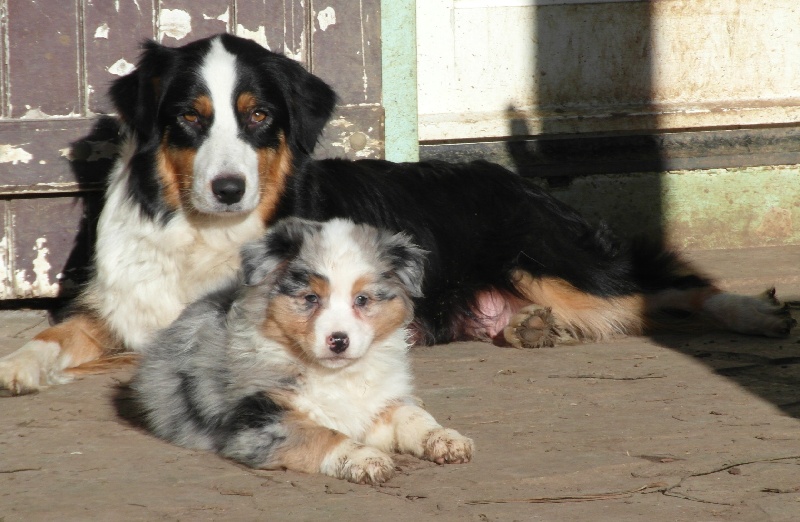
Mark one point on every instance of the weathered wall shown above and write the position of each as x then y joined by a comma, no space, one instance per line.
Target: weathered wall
699,209
59,58
605,65
677,119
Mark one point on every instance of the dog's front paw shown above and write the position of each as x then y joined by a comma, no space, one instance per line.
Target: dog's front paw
358,463
531,327
446,446
30,368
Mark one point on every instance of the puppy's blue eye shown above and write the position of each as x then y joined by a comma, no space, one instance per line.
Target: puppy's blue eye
312,298
361,300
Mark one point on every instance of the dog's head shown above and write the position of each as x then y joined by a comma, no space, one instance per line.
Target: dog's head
219,124
333,289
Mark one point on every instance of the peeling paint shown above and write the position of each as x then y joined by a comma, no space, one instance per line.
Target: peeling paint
294,55
175,23
101,31
354,142
326,18
259,35
14,154
121,67
5,282
36,113
224,17
41,285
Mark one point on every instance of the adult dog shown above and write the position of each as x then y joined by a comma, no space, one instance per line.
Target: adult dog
218,147
303,363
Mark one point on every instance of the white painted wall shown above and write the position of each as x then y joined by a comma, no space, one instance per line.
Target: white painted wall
605,65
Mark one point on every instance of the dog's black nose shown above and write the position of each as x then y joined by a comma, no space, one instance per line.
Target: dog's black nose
228,189
338,342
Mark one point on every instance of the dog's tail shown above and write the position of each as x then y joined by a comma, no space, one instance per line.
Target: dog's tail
106,364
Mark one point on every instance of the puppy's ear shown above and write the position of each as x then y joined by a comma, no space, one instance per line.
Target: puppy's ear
263,258
136,95
407,261
311,103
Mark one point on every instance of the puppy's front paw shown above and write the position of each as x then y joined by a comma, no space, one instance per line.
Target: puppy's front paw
360,464
446,446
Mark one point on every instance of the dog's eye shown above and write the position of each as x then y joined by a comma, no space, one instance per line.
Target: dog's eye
312,298
258,116
361,301
190,117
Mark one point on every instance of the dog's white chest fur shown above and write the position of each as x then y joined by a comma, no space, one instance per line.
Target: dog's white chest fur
148,271
349,399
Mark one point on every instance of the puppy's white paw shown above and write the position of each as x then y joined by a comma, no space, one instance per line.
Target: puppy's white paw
446,446
358,463
31,367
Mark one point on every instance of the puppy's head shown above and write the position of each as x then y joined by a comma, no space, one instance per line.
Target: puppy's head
333,290
219,123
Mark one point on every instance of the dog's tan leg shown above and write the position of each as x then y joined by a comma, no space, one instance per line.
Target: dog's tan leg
42,361
315,449
406,428
559,313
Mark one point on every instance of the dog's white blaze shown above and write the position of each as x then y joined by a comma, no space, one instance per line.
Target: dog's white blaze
223,153
343,265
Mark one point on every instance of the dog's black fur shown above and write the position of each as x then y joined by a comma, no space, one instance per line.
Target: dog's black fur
479,222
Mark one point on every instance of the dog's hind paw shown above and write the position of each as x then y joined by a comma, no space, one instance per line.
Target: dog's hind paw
531,327
446,446
760,315
360,464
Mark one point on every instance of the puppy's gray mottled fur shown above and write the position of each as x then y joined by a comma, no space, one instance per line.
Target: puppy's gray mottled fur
301,363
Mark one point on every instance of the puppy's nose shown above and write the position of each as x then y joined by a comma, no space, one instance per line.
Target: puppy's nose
228,189
338,342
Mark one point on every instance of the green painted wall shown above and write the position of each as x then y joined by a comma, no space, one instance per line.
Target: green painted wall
399,54
698,209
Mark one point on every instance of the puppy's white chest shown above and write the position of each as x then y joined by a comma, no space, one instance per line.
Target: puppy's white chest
350,401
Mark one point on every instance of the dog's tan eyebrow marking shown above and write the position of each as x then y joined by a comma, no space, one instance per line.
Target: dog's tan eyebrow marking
203,105
246,102
319,285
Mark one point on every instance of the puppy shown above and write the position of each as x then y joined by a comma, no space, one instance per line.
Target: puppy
303,363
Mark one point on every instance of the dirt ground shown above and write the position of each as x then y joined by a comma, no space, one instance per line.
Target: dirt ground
675,427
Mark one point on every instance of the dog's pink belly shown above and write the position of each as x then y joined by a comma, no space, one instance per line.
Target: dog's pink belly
493,311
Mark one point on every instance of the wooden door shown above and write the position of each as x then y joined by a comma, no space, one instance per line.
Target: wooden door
57,134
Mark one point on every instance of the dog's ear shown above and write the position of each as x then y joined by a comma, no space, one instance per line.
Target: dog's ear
136,95
264,257
407,261
311,103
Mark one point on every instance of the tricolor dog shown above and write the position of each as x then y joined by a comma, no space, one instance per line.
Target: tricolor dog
219,137
301,364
